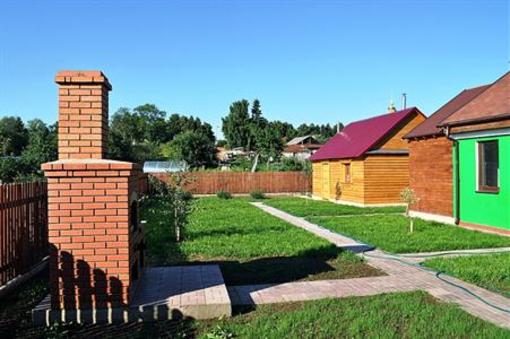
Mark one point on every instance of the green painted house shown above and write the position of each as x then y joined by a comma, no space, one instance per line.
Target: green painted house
480,132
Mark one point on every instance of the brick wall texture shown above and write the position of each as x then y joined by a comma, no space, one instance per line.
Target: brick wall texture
83,114
95,252
430,169
89,231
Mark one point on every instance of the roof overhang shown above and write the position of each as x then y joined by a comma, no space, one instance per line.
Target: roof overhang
499,117
387,152
480,134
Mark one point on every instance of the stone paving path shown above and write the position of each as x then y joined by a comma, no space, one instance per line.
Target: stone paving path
403,275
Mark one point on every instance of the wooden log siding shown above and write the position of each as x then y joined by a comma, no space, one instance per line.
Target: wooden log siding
246,182
23,228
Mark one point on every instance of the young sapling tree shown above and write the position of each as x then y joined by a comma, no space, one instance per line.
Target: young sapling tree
408,196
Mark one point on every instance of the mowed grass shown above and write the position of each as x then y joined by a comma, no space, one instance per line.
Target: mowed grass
399,315
391,233
250,245
491,271
301,207
396,315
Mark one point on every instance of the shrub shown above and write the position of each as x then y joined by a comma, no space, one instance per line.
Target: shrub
176,199
224,195
257,194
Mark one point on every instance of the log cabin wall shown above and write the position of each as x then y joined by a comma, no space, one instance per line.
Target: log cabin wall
395,140
385,177
333,184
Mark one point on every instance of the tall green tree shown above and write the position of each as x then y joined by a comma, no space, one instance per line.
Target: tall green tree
197,149
269,143
13,136
42,146
256,111
284,129
236,125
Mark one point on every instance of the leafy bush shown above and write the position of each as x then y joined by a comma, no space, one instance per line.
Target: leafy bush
176,198
257,194
224,195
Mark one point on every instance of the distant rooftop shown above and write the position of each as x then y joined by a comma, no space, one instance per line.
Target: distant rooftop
299,140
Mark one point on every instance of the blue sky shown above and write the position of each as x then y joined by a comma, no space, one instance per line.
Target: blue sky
307,61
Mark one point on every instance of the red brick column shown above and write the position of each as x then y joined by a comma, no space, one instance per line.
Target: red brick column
95,254
83,114
89,232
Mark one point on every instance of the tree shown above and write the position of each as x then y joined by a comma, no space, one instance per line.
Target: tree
42,146
127,126
149,113
197,149
269,143
11,168
321,132
221,143
236,125
256,112
284,129
13,136
177,200
145,134
408,196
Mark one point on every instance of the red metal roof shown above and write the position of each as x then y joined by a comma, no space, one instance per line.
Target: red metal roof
429,126
360,136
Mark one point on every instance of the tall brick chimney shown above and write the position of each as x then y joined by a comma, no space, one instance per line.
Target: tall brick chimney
96,252
83,114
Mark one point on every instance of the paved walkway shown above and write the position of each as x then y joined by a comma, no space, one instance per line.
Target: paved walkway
403,275
167,292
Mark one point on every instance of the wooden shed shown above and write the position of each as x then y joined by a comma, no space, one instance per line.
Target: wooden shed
430,161
367,162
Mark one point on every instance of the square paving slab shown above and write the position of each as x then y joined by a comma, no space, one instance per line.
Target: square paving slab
163,293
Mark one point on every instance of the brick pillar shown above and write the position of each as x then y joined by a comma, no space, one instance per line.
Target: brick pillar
95,254
83,114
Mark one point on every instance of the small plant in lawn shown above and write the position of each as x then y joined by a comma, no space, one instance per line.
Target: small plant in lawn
408,196
219,332
224,195
177,198
257,194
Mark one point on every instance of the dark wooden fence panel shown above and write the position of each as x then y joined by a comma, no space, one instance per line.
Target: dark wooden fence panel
246,182
23,228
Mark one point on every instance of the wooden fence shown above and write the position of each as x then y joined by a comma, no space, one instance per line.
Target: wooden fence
245,182
23,228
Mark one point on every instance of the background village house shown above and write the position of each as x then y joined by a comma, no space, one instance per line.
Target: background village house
301,148
367,162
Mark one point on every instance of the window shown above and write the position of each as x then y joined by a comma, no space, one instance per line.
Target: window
347,173
488,166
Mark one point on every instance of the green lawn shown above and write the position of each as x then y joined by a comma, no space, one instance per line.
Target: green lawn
390,233
250,245
307,207
397,315
491,271
408,315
